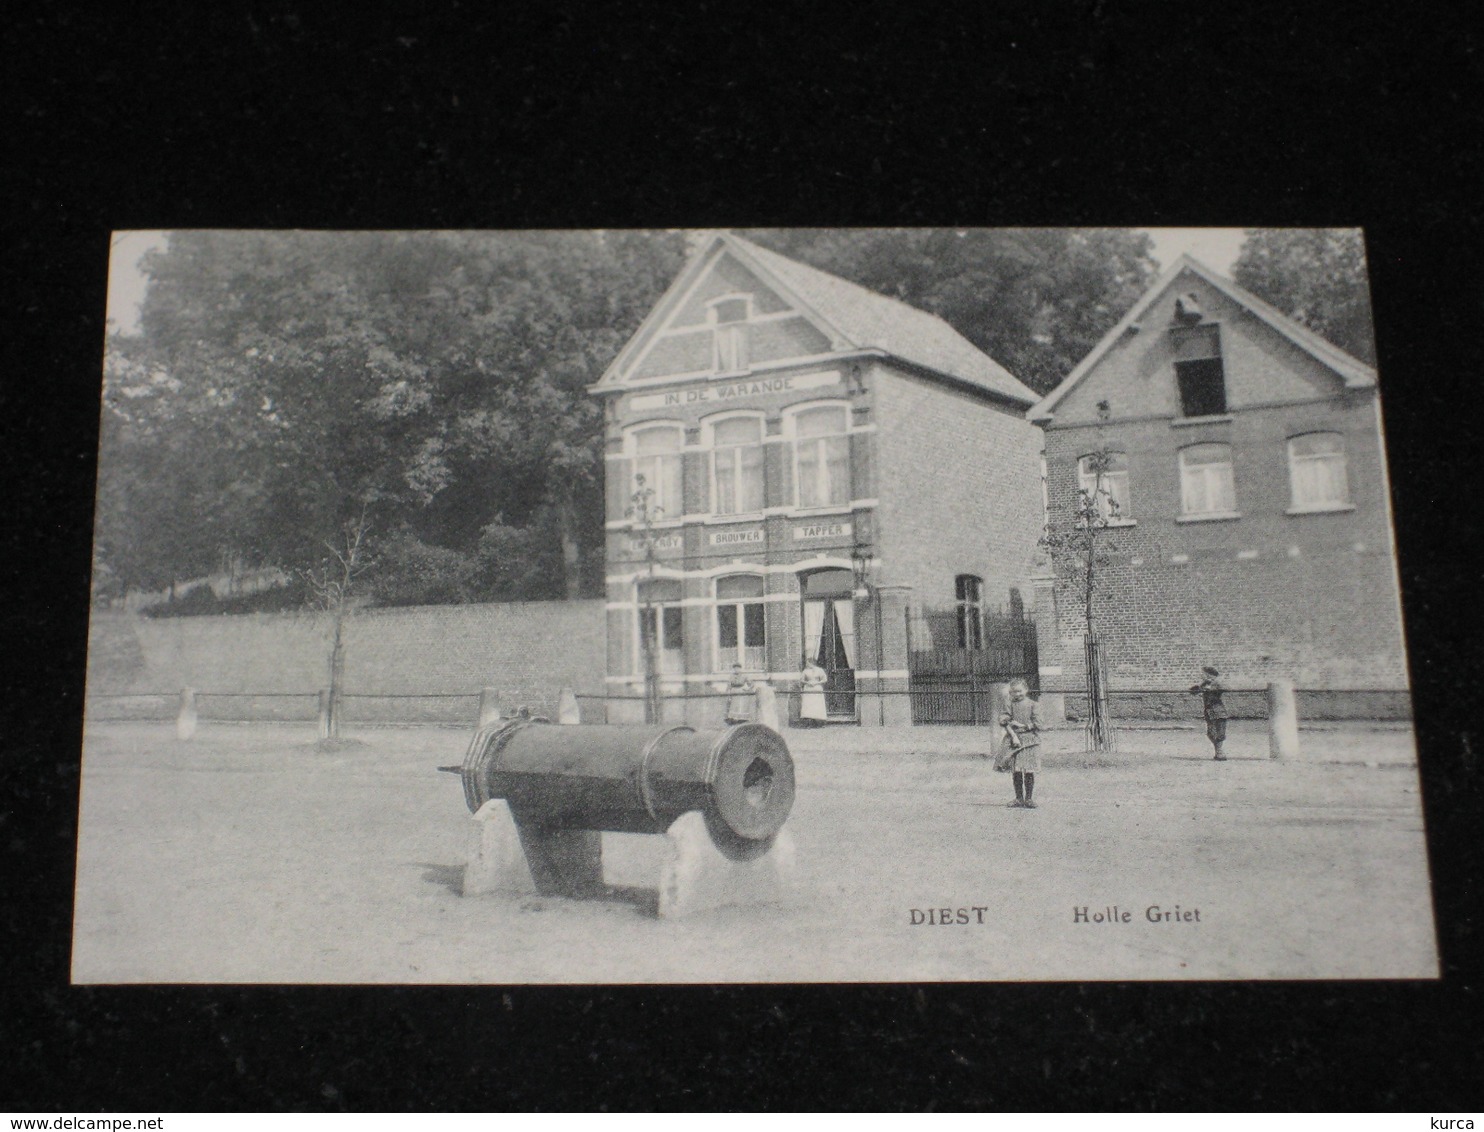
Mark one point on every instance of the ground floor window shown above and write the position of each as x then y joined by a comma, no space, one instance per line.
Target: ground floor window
968,590
741,624
661,626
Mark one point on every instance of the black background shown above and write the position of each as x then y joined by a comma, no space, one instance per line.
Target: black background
275,115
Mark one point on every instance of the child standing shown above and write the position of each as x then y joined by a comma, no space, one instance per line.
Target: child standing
739,697
1210,691
1022,724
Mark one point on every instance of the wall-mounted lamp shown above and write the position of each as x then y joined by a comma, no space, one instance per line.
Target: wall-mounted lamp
860,565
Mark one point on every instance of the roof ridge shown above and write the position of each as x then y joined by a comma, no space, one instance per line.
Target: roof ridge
1350,369
787,266
1256,301
830,275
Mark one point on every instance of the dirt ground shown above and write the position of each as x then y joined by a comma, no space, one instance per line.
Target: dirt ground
246,856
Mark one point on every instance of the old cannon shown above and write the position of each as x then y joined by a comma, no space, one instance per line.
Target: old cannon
565,785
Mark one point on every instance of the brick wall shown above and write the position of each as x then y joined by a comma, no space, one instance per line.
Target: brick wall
527,651
959,484
1308,597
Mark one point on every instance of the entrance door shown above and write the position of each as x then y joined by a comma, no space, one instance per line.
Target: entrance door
829,637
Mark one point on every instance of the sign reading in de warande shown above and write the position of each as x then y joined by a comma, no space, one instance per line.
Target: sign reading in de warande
704,394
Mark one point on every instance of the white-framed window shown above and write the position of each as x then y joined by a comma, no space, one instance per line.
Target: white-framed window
737,466
822,456
661,623
1206,483
656,454
729,315
1111,496
1316,471
968,591
741,623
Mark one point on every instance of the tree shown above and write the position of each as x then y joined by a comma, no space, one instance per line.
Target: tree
645,514
1316,276
1080,551
282,382
1034,299
438,379
332,586
167,464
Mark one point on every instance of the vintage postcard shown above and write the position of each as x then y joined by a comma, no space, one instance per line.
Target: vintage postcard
759,605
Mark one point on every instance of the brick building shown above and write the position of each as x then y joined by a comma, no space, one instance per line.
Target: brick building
823,458
1252,527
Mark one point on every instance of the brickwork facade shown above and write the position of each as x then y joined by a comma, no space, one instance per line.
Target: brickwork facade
959,490
1271,587
855,458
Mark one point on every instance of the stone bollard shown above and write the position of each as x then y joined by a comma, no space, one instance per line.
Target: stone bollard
767,705
185,721
489,706
324,713
999,701
567,710
1053,709
1283,736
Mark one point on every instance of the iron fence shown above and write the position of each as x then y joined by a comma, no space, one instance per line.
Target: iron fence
955,656
931,701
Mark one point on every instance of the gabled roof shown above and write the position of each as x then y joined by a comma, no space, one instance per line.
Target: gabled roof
853,317
1354,372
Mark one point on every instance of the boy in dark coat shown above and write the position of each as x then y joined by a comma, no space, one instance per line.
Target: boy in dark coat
1209,690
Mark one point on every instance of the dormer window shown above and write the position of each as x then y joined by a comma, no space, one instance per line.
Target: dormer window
729,316
1198,370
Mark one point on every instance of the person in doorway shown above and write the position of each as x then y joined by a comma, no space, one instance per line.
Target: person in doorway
739,697
812,711
1022,743
1210,690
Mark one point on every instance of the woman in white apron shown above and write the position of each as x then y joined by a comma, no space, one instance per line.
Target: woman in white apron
811,695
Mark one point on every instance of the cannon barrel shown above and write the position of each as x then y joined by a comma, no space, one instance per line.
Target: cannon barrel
636,779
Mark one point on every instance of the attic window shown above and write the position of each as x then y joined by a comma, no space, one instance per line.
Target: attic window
1198,370
729,315
732,310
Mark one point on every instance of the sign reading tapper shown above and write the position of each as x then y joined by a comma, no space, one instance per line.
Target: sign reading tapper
707,394
823,530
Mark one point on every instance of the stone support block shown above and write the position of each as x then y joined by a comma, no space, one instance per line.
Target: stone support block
697,877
